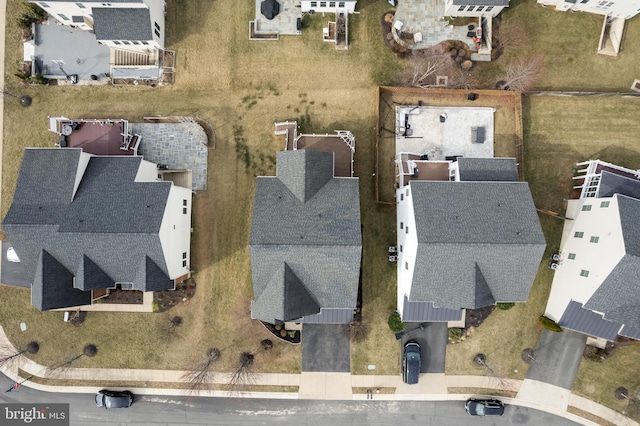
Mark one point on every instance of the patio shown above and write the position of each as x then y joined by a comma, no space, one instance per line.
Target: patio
77,50
285,22
425,17
441,132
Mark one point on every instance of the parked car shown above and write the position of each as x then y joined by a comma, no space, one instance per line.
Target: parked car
411,363
12,256
484,407
114,399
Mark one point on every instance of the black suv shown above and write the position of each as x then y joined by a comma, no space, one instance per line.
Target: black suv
484,407
411,363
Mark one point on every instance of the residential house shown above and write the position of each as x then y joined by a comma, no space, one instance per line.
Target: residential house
133,30
306,241
347,6
468,236
84,224
595,286
615,14
474,8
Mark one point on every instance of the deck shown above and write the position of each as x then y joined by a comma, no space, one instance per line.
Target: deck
343,155
98,137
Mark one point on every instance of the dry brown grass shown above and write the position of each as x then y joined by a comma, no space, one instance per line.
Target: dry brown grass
589,416
482,391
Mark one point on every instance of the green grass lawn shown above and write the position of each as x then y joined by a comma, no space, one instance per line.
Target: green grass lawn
242,88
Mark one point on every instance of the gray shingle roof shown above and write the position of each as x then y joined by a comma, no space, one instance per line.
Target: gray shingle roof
477,242
304,255
481,2
629,209
488,169
107,230
582,320
122,23
618,297
611,183
53,286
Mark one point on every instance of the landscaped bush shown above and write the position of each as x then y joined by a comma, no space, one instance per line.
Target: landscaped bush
455,334
549,324
32,13
505,306
395,323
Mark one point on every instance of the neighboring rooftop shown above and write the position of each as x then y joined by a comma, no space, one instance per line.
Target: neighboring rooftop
132,23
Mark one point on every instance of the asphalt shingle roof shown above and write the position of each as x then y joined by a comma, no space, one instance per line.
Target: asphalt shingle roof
611,183
481,2
112,23
488,169
478,242
305,238
107,230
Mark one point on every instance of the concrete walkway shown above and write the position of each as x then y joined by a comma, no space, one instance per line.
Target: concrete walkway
432,387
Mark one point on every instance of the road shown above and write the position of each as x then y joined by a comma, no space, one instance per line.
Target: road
157,410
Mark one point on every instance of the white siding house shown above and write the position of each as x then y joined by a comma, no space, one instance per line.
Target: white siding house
474,8
348,6
626,9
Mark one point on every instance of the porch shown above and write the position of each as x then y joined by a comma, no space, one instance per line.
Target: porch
98,137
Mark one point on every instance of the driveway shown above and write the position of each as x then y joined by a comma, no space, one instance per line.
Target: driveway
432,338
325,348
12,273
557,358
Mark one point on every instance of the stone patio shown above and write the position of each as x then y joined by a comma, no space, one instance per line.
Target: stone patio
285,23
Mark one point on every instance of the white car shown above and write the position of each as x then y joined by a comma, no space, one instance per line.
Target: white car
12,256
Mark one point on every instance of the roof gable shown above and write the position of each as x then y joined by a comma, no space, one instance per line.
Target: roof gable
90,276
488,169
151,277
304,172
53,286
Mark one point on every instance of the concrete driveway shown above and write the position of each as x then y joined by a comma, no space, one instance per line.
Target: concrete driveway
12,273
432,338
325,348
557,358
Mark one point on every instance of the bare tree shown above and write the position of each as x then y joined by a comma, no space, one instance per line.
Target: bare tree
511,35
461,79
422,72
200,376
481,360
243,375
359,330
524,72
9,354
89,350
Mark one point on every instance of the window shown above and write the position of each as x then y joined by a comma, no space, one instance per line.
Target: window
586,208
106,4
340,4
400,248
77,19
332,4
578,235
184,263
323,4
406,265
144,42
184,202
155,24
157,33
584,1
63,17
126,42
489,8
184,210
604,204
480,8
594,239
135,42
401,225
407,192
184,254
116,42
80,5
406,229
461,8
584,273
43,4
314,4
470,8
571,256
401,197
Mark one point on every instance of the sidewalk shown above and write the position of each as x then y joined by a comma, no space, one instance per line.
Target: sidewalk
432,387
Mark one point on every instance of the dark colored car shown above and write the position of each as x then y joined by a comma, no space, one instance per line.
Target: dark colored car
484,407
411,363
114,399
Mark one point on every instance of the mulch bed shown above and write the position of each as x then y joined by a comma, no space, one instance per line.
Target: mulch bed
475,317
167,299
125,297
295,339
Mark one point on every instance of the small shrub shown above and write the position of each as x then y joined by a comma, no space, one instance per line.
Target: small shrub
549,324
395,323
38,79
32,13
505,306
291,333
283,333
359,331
278,327
267,344
455,334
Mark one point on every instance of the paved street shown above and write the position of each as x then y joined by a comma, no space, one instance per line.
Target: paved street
148,410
